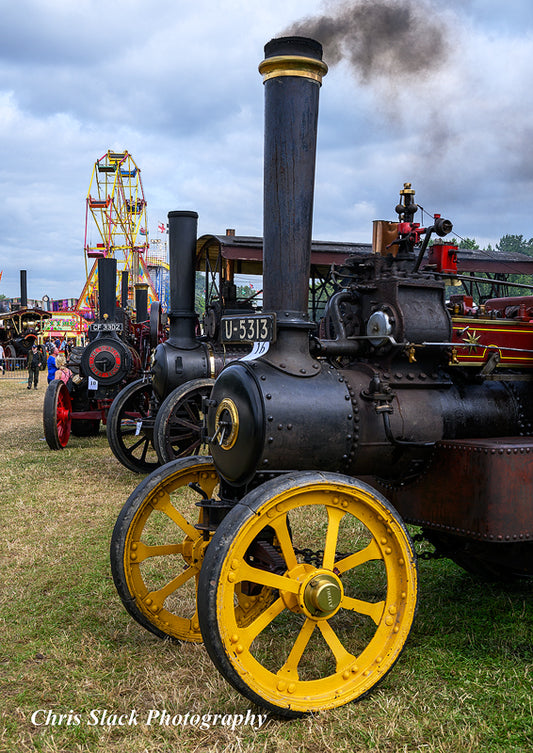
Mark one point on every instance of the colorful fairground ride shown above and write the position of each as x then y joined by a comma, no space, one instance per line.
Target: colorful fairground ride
116,226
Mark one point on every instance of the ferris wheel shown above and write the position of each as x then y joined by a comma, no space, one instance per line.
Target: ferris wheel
115,225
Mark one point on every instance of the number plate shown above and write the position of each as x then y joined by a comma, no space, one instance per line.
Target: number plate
106,327
249,329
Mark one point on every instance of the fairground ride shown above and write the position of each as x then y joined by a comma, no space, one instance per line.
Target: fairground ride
115,226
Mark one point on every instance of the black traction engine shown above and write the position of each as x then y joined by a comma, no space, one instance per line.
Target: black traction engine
296,567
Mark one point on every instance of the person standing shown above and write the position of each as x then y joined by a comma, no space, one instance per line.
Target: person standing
62,370
35,361
2,360
51,363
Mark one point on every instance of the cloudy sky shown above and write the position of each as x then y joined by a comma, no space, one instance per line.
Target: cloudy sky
439,94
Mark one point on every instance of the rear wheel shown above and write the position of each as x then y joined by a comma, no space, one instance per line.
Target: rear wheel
57,410
340,571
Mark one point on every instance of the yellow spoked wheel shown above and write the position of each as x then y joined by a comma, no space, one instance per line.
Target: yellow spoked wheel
156,553
340,573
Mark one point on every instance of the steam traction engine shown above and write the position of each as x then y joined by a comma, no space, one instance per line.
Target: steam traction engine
22,328
304,571
158,418
155,420
117,353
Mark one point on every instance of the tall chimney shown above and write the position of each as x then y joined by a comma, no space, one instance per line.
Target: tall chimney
182,234
141,301
124,289
292,72
107,283
23,289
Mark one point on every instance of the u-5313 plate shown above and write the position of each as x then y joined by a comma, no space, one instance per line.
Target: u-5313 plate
249,329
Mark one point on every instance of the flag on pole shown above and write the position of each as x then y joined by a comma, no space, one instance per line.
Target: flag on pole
162,228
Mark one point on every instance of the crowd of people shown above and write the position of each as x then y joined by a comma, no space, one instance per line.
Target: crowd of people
56,362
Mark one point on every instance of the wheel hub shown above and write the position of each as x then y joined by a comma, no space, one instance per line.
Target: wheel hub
323,595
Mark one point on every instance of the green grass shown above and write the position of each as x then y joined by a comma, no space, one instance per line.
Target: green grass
463,683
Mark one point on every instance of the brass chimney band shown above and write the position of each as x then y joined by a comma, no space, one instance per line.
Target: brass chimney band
289,65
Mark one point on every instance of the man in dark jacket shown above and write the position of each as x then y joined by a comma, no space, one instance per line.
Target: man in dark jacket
35,361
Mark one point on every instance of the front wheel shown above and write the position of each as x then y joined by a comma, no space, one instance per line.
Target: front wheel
339,569
156,552
130,427
57,410
178,424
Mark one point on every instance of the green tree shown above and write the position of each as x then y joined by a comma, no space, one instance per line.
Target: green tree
517,244
464,242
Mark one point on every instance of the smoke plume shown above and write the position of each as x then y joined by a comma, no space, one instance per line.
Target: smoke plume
381,39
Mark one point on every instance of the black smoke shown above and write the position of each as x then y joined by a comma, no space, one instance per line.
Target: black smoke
396,40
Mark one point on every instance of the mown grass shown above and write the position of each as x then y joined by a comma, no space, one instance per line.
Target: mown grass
464,682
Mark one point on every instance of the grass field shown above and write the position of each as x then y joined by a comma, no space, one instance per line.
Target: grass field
68,647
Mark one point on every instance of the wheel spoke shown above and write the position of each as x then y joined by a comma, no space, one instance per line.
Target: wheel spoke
374,610
285,542
145,551
189,450
370,552
261,622
161,594
335,515
291,665
165,505
193,414
191,425
145,449
133,447
246,572
343,658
